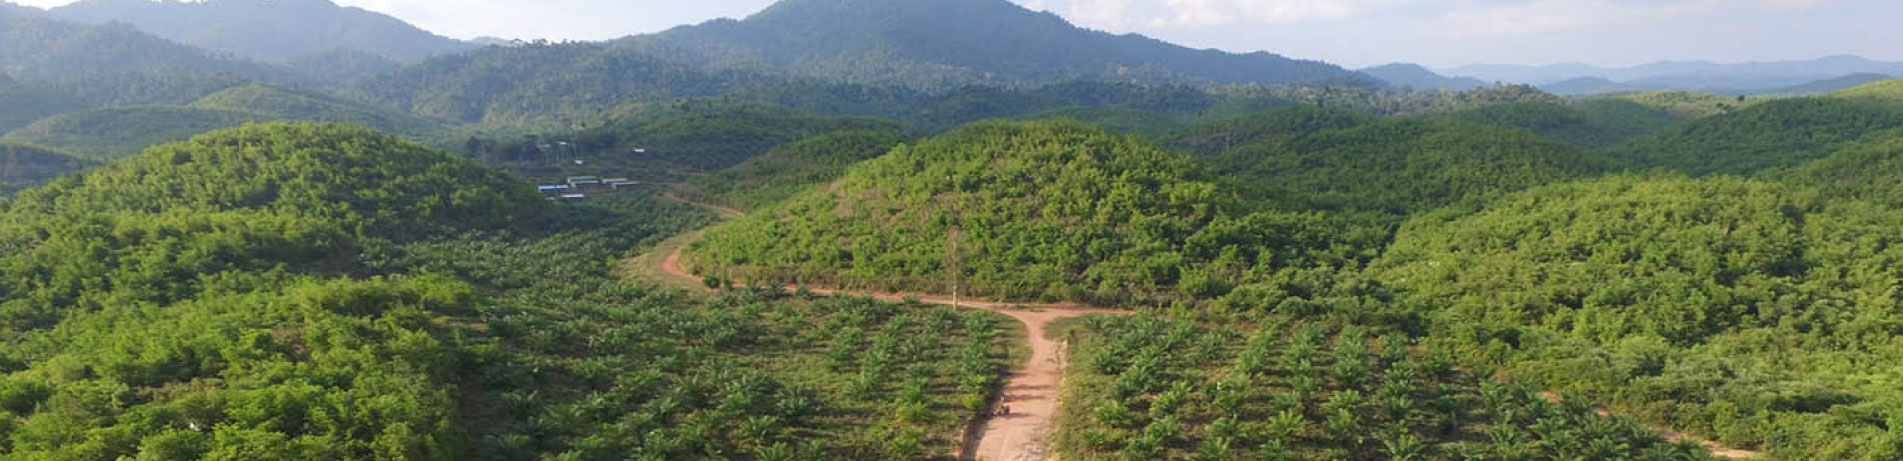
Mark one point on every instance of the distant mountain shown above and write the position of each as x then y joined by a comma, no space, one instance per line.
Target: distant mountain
117,132
114,63
1741,78
23,104
1885,90
1591,86
1413,75
1830,85
342,68
26,165
950,43
271,31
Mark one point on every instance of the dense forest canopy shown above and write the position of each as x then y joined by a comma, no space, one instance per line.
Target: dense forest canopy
1041,210
1590,123
26,165
790,168
1772,134
281,103
1399,166
116,132
313,291
114,63
1757,312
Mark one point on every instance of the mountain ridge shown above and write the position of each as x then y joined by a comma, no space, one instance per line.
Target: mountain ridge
987,41
269,31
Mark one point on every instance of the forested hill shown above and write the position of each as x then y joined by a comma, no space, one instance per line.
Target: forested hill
1043,210
1775,134
947,43
1755,313
568,82
1395,166
114,63
270,31
25,165
1413,75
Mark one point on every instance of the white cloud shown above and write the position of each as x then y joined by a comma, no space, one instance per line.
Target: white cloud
1543,16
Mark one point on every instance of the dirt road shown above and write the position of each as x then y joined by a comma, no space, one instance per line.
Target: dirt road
1032,392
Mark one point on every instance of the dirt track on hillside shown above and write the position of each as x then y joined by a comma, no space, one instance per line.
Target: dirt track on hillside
1032,392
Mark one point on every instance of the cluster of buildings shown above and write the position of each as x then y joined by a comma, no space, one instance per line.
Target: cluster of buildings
578,187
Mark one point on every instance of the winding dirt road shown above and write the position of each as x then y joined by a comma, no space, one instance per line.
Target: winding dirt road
1032,391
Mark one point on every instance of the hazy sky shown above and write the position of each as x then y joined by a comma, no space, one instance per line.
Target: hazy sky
1349,32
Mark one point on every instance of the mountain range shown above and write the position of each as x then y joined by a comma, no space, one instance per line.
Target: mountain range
1415,76
948,43
1740,78
267,31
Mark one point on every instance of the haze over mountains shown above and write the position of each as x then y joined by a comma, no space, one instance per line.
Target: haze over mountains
1744,78
274,31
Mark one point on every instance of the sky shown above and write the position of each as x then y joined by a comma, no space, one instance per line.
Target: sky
1354,33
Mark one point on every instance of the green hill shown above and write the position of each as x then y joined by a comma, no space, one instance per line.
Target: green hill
1400,166
1042,210
273,31
1755,313
1214,138
1276,388
1687,105
21,105
1773,134
543,84
1591,123
695,135
24,165
952,43
114,64
1891,90
1867,170
296,105
318,291
111,133
368,181
790,168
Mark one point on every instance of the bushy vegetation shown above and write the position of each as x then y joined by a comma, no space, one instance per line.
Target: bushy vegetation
1751,312
1866,171
1216,137
1152,388
112,133
21,104
1773,134
542,84
1591,123
25,165
1400,166
791,168
693,135
279,103
114,64
304,291
1041,210
1891,90
1687,105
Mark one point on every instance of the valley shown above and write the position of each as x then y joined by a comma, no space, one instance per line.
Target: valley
926,229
